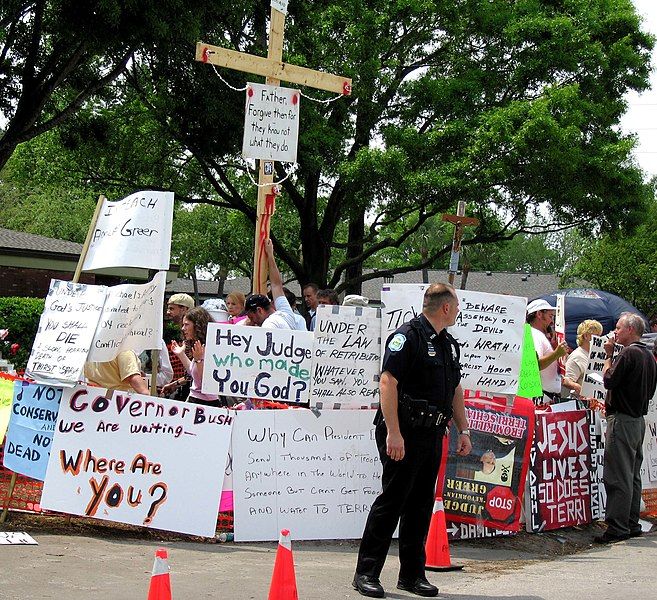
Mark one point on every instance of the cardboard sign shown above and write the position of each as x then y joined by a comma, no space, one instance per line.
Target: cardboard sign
314,475
271,123
346,357
6,396
266,364
66,331
139,460
33,416
17,538
489,329
280,5
486,487
592,384
131,319
133,232
560,490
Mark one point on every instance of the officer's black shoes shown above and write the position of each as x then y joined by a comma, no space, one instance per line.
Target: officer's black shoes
419,586
368,586
609,538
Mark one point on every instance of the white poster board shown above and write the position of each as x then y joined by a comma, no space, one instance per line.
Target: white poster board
131,319
346,357
133,232
592,385
271,123
139,460
264,364
314,475
65,333
489,329
280,5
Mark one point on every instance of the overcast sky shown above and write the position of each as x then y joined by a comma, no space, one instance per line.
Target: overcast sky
641,117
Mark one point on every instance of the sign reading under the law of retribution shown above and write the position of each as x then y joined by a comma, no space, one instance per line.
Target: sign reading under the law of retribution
489,329
131,319
315,475
267,364
139,460
65,333
346,357
560,488
31,427
271,123
133,232
486,486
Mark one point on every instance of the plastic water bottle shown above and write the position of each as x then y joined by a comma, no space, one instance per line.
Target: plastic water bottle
225,537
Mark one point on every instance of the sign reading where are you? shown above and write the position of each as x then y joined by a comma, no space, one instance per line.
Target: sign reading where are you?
139,460
132,232
251,362
271,123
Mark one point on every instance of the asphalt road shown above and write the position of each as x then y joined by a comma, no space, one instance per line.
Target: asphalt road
79,567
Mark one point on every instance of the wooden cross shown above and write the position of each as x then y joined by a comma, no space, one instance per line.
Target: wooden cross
275,71
460,221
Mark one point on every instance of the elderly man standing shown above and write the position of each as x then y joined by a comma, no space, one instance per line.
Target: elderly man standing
631,381
540,316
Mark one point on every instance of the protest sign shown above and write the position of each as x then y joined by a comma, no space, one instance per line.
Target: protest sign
265,364
314,475
346,357
471,531
560,487
6,395
592,385
529,382
20,538
65,333
271,123
132,232
486,487
489,329
131,319
280,5
31,427
139,460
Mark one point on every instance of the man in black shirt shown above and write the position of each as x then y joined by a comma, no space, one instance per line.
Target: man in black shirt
631,382
420,392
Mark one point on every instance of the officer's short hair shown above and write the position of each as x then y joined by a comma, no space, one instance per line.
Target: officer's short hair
436,295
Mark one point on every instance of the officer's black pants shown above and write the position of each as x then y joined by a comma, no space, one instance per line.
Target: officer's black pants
407,497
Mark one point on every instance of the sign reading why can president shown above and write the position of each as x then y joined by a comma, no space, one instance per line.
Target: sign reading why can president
486,486
65,333
138,460
31,427
563,488
131,319
267,364
346,357
132,232
315,474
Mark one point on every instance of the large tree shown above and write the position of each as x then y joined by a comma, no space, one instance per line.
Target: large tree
56,55
512,107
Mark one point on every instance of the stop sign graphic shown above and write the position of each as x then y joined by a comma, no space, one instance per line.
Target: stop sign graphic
500,503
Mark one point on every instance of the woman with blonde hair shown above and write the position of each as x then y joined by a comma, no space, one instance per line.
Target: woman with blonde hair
235,307
579,358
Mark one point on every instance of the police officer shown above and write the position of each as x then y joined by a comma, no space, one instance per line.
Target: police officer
419,393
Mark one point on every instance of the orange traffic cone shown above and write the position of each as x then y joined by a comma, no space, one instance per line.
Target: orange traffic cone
437,546
160,588
283,581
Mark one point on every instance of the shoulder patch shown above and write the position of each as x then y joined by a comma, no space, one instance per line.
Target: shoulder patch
397,342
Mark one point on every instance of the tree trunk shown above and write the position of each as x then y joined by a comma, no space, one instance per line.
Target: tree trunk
355,248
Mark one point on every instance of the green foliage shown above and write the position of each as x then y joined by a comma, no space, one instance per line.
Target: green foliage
21,316
625,264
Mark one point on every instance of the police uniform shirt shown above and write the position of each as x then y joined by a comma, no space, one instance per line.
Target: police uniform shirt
424,363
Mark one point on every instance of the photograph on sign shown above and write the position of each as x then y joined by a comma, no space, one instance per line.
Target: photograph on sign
271,123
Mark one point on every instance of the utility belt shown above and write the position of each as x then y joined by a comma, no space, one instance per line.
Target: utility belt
418,413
